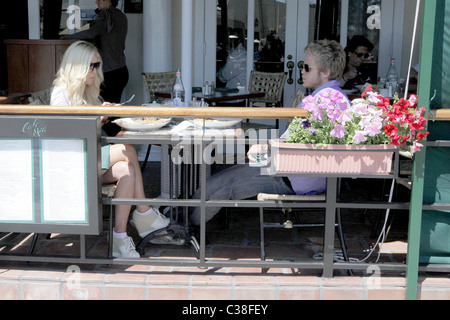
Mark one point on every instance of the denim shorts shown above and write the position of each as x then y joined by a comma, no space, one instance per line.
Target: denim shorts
105,157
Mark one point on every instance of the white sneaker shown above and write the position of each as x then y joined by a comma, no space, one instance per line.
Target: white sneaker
160,214
124,248
146,224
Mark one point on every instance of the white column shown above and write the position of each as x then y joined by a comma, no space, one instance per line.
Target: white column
187,32
157,36
34,20
157,57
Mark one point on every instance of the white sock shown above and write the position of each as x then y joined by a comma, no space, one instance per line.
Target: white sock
149,211
121,235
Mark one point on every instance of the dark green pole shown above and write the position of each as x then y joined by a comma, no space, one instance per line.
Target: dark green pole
415,219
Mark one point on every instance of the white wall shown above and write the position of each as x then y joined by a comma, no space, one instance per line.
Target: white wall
134,51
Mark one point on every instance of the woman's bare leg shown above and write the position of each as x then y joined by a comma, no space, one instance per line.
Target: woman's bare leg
125,169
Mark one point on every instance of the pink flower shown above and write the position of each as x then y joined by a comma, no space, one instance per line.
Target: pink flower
345,117
374,128
417,146
359,107
372,119
360,136
413,99
338,131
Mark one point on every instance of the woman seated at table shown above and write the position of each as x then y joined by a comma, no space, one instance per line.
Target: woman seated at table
357,51
78,83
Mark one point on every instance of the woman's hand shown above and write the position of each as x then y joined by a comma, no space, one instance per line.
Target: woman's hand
104,119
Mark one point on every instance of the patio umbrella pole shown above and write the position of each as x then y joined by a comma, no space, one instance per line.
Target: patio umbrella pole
416,19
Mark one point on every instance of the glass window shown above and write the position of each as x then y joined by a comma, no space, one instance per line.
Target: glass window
270,35
364,19
231,58
325,20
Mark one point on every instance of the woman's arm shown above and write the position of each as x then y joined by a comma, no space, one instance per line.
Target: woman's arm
97,28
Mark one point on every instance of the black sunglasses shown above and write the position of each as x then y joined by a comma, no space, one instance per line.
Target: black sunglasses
366,55
307,67
93,66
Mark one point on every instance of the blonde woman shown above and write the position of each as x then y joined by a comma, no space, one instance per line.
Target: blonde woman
78,83
109,32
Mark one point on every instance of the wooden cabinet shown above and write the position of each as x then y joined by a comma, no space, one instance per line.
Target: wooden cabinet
32,64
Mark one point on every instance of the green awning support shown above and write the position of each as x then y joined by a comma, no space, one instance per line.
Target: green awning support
417,192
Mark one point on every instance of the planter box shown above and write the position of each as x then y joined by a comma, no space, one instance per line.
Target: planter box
333,159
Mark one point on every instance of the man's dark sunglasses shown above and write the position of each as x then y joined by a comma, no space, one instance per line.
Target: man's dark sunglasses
365,55
307,67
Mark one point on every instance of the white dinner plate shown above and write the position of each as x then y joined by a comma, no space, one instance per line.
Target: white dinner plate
134,124
215,123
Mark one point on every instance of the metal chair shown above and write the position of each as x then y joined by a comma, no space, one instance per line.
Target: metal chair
298,98
272,84
285,200
40,97
158,82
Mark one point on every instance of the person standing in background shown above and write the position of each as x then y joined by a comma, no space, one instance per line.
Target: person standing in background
109,31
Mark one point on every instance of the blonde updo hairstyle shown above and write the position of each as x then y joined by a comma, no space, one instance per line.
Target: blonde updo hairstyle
73,71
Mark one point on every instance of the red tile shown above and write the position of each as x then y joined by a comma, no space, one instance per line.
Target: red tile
117,292
165,293
9,290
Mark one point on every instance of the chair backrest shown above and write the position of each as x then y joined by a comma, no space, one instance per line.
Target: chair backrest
158,82
40,97
271,83
298,98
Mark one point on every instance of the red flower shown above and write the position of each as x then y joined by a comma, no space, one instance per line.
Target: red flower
421,135
384,103
418,124
390,129
368,89
413,100
402,105
421,111
395,140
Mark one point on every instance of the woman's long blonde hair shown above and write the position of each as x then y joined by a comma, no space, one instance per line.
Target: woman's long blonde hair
73,71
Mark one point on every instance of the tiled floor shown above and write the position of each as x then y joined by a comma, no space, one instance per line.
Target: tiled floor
239,239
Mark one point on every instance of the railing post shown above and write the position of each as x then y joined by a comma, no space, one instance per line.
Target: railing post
417,191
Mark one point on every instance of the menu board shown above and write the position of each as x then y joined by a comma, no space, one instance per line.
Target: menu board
51,174
16,189
63,178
